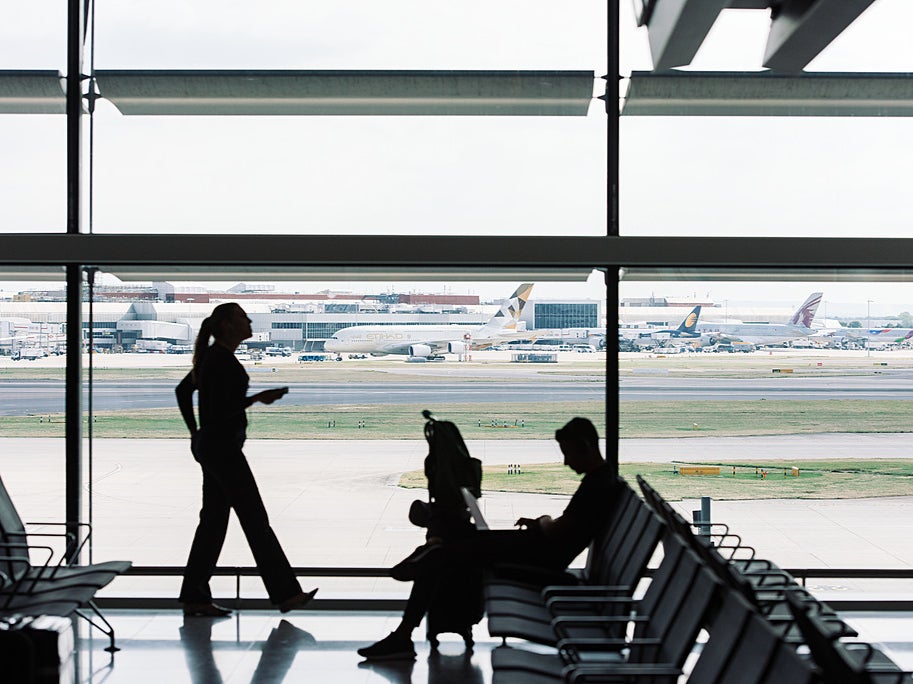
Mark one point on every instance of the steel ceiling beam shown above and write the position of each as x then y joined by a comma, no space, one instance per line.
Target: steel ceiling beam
342,93
801,29
693,93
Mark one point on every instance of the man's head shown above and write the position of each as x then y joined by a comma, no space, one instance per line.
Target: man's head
579,443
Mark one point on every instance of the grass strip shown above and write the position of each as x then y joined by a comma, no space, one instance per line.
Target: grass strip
641,419
385,421
527,420
816,480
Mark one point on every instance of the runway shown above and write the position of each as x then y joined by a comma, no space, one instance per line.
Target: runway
896,386
26,397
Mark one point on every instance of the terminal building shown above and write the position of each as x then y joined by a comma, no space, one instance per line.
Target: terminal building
300,322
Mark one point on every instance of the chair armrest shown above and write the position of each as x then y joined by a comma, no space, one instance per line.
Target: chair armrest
584,673
13,545
532,574
569,649
582,589
590,600
71,552
590,620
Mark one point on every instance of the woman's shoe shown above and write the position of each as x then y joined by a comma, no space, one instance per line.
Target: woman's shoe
297,601
205,610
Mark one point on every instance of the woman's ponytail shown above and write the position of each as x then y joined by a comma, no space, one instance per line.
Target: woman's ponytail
211,327
201,345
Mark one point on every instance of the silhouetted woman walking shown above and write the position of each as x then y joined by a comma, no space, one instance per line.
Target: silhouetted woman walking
227,479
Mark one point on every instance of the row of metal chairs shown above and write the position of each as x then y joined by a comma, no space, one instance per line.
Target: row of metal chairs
711,612
55,586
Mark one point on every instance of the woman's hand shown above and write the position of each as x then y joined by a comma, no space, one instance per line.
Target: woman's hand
269,396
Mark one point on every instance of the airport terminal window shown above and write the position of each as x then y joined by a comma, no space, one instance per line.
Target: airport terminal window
708,173
33,163
350,429
508,172
32,339
836,176
567,315
298,174
464,176
806,419
33,174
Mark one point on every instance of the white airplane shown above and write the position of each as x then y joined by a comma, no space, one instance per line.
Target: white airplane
876,338
424,341
800,325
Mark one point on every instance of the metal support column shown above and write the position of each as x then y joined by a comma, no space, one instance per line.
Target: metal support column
611,274
73,392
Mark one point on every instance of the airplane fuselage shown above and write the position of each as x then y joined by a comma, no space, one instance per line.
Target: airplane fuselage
755,333
396,339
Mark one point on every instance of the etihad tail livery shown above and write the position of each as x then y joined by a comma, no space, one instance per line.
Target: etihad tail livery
423,341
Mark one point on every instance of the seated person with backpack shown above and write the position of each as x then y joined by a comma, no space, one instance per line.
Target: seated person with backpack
546,542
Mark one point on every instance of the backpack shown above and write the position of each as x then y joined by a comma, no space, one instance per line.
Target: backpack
448,465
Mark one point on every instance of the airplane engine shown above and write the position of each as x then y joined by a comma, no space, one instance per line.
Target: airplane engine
420,350
457,347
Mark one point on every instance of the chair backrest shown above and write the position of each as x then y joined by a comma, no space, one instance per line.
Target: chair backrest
601,550
744,649
625,564
674,613
12,531
836,662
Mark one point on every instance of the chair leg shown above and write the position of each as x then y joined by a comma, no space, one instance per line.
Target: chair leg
109,632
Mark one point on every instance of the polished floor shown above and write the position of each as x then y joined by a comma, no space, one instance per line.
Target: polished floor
266,648
319,646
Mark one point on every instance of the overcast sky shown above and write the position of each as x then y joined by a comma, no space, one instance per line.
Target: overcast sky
454,175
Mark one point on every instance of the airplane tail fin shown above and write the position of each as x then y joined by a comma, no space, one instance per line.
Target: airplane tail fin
508,316
805,314
689,325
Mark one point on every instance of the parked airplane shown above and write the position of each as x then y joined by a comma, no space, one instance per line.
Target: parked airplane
686,331
800,325
877,337
424,341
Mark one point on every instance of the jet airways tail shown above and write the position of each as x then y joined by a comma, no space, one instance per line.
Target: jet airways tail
508,317
805,314
688,328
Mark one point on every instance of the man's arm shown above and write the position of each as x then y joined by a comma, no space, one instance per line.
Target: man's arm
551,528
184,392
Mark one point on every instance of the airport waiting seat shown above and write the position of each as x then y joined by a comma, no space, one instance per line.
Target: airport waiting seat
847,662
741,649
618,556
664,624
55,587
760,582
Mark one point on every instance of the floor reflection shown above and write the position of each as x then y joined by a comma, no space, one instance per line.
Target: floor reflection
442,669
276,655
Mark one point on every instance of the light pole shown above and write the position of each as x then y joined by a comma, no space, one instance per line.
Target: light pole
868,325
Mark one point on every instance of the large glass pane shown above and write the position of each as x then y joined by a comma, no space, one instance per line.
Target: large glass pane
32,166
339,459
688,173
794,396
458,175
33,174
350,175
32,341
403,34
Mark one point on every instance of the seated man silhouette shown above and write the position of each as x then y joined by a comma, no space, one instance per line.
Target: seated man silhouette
546,542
